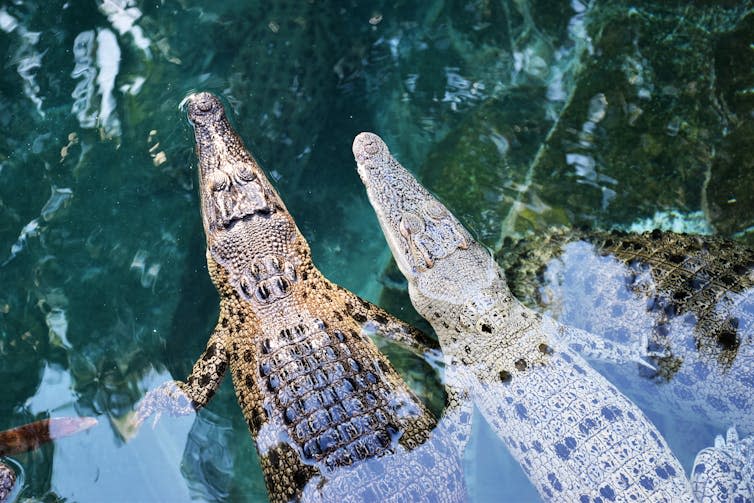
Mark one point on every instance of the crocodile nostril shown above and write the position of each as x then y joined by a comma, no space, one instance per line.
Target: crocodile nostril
371,147
204,105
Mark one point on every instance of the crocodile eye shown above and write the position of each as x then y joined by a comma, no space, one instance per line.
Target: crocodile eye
244,172
410,224
435,210
218,181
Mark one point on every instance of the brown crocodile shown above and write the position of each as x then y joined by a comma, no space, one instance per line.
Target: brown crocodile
330,417
30,436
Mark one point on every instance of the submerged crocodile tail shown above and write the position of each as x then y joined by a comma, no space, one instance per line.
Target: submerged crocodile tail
30,436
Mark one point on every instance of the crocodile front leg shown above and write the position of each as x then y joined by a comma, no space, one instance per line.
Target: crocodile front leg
376,321
182,398
455,422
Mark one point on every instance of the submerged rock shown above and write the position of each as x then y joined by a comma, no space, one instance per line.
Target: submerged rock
430,69
730,198
482,167
648,115
648,123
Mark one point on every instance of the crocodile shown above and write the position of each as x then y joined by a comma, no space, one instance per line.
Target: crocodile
688,298
574,434
330,417
29,437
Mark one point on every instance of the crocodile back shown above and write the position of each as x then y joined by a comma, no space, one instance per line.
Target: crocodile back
576,436
329,414
690,298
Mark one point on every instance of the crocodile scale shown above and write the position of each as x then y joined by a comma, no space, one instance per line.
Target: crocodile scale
330,417
688,298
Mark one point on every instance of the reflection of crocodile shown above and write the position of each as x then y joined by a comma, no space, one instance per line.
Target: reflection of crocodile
317,394
30,436
575,435
690,298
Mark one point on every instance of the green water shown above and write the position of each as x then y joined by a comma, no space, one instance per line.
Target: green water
516,114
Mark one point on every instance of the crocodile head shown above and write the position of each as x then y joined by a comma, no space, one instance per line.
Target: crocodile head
233,186
248,229
438,256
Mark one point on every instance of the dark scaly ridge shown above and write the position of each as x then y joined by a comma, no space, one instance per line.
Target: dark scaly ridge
692,273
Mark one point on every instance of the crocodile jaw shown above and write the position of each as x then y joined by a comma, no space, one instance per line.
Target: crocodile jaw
232,185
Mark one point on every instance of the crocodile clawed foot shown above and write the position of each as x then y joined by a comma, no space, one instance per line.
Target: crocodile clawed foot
644,351
170,397
726,468
641,360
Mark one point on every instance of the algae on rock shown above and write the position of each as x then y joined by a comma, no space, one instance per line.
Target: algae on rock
656,100
425,75
646,121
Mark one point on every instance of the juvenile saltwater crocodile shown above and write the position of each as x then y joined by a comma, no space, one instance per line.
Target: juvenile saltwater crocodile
30,436
575,435
689,298
331,419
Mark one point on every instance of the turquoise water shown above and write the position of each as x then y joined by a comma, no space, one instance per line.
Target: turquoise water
516,114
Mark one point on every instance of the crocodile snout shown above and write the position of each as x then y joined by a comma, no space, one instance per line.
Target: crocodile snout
369,148
203,106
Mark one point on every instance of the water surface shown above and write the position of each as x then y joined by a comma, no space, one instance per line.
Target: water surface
517,114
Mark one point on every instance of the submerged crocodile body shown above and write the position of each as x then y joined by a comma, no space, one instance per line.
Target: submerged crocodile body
575,435
331,418
30,436
689,299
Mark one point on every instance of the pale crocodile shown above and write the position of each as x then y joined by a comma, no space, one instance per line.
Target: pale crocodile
30,436
688,298
330,417
575,435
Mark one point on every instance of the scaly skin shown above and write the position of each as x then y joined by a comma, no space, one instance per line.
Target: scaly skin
331,418
30,436
574,434
690,298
